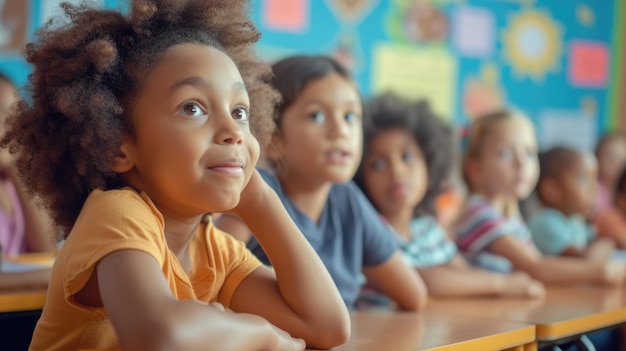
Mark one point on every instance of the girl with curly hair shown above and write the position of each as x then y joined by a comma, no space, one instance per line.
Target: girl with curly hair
314,154
407,159
138,128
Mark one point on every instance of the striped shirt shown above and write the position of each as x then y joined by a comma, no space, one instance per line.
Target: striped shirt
429,244
480,225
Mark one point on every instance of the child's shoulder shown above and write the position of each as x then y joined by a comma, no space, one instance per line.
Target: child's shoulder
119,205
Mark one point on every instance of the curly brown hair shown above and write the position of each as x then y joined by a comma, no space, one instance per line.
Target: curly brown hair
86,71
432,134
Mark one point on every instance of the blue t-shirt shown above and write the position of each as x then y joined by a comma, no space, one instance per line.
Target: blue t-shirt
553,232
349,235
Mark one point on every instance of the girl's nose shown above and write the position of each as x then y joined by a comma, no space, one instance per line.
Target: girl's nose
228,131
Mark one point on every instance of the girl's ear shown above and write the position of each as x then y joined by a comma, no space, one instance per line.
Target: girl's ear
122,161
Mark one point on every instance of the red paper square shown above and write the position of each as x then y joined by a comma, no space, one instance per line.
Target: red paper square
288,15
588,63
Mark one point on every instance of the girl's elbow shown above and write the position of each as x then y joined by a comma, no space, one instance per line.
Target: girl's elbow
332,337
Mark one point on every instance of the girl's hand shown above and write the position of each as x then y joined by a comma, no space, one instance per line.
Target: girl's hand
253,197
521,284
614,273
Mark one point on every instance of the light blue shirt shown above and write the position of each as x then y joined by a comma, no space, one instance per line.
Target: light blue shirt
554,233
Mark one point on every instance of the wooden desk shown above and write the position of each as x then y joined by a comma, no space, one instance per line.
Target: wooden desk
563,313
31,299
22,301
400,331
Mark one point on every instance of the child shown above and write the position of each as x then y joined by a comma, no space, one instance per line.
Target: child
611,223
407,158
138,128
315,153
501,167
566,188
23,226
611,155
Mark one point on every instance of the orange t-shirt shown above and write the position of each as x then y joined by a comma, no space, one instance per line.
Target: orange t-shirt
119,220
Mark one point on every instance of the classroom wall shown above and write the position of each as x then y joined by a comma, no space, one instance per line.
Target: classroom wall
556,60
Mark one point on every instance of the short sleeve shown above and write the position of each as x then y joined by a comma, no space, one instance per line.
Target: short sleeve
550,232
481,225
429,245
378,239
110,221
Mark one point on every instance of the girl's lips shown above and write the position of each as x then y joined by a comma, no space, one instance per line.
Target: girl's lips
338,156
232,167
399,189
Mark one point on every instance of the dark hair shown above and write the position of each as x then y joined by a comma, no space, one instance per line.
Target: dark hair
553,163
433,136
85,74
292,74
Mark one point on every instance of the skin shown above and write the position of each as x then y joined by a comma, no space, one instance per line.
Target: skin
611,161
502,173
193,153
320,143
395,174
573,193
38,227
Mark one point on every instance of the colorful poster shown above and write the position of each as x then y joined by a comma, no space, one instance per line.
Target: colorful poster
570,128
473,31
416,73
588,63
286,15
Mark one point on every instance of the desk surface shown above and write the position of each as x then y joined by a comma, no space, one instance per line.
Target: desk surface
564,311
399,331
22,301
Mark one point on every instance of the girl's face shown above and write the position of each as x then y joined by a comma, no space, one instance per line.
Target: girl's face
578,186
321,136
507,165
192,151
395,173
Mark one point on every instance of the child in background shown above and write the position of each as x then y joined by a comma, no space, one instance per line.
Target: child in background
407,159
24,227
139,133
611,155
501,167
567,188
315,153
611,223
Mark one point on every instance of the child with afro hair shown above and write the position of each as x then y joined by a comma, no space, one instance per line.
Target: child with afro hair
138,128
408,156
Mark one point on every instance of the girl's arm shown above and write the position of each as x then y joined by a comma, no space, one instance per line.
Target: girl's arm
557,270
458,279
146,316
397,280
38,226
299,296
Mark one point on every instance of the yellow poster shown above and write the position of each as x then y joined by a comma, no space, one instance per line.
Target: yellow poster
416,73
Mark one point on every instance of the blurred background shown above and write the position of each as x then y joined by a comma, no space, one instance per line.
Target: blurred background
559,61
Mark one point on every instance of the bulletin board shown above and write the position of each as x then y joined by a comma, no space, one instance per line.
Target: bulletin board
552,59
556,60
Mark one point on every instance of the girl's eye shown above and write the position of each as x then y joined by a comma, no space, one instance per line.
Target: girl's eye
317,117
505,154
240,114
407,157
379,165
192,109
351,117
